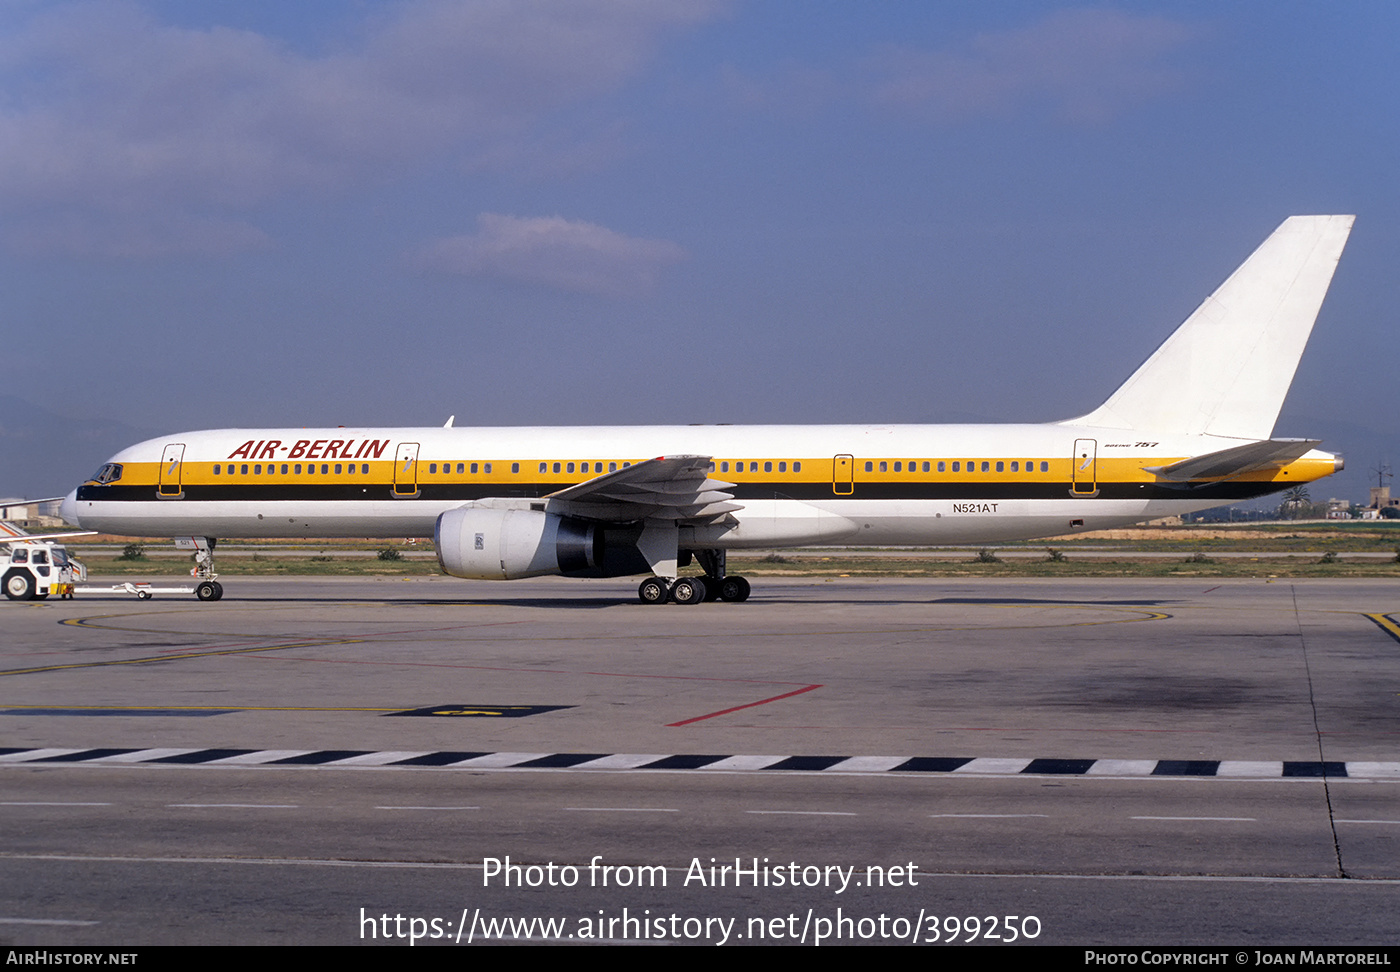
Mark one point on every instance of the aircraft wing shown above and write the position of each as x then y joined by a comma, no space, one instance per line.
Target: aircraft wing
664,488
9,533
1236,461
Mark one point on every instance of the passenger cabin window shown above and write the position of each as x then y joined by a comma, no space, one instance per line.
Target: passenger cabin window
515,467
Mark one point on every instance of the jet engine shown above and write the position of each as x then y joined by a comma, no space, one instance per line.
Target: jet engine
505,544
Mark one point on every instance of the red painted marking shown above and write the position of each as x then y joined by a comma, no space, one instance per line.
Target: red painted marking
747,705
1209,589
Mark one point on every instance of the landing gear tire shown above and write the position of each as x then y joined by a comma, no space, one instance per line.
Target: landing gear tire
711,587
734,589
654,590
19,586
688,590
143,595
205,591
218,591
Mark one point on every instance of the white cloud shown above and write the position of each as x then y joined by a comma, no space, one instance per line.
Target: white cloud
554,252
1081,65
1084,65
110,115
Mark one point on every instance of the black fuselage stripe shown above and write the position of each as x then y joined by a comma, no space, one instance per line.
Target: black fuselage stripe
466,492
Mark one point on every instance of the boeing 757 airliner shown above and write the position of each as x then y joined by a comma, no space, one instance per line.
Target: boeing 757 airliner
1191,429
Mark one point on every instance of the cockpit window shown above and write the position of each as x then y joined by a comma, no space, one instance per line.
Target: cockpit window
109,473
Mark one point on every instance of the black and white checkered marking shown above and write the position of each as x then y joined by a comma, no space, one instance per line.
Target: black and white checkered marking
962,766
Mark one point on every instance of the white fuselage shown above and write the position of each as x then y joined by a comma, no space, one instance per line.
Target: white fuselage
849,484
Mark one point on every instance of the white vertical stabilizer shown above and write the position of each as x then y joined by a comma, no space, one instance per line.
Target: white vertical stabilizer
1226,370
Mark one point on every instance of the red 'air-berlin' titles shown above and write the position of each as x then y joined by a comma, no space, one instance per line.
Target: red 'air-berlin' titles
308,449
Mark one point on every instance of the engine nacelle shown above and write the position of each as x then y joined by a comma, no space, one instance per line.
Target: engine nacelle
495,544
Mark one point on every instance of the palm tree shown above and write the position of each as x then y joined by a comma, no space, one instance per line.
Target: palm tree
1295,502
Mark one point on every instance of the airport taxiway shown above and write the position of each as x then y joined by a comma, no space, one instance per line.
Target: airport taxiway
1131,761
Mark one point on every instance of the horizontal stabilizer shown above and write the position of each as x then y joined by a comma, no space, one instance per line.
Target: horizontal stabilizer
1236,461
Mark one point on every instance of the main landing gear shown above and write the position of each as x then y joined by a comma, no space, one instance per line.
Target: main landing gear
714,585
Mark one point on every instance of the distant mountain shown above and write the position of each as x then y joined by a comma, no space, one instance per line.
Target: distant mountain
43,453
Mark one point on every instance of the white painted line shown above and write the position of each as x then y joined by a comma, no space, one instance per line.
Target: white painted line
45,921
234,806
1122,767
622,809
497,760
27,755
806,813
1367,821
1220,819
427,808
866,764
1241,767
744,763
622,761
378,759
39,803
1373,769
987,816
258,758
986,765
141,755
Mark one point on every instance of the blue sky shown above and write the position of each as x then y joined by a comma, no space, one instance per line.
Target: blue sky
611,211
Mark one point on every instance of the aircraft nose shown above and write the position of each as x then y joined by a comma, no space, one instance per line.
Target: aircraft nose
68,509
